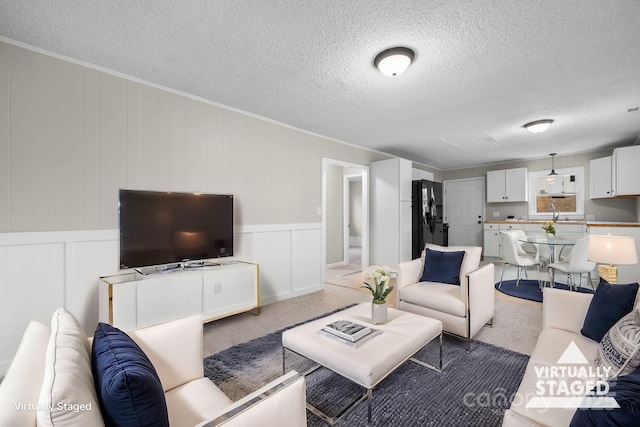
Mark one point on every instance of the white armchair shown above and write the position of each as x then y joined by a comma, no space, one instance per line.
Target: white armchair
463,309
175,351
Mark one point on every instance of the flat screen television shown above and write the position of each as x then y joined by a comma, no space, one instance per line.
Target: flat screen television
158,228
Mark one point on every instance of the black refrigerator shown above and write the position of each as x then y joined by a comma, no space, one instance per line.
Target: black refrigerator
427,225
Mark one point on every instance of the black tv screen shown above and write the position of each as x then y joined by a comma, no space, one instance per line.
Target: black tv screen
165,227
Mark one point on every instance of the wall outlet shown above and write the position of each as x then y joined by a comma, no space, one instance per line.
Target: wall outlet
591,217
319,210
496,214
217,287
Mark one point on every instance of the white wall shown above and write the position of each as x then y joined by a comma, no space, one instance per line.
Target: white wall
355,209
334,214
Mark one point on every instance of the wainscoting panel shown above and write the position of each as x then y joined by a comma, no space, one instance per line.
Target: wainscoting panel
289,255
273,254
86,262
307,271
42,271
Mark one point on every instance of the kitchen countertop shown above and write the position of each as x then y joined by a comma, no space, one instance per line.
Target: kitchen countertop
587,223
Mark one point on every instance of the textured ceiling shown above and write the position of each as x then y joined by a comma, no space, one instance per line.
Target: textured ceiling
483,68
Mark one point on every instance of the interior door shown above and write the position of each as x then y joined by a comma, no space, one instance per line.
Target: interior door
464,211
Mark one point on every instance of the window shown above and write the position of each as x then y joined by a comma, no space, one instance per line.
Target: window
563,192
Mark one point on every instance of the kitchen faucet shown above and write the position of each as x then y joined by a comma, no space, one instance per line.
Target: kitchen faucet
556,214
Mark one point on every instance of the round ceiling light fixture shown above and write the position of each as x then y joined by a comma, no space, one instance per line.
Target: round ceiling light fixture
538,126
394,61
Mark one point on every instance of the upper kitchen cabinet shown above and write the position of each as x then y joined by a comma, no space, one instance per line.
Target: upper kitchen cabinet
508,185
626,173
600,178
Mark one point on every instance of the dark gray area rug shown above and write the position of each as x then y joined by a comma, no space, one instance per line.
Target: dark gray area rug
473,390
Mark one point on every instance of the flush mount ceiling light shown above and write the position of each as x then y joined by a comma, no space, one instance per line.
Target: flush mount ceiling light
538,126
394,61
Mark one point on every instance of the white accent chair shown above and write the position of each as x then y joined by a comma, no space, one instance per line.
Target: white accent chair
512,256
576,263
463,309
175,350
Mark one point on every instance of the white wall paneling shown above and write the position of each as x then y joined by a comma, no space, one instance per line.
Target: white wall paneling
5,136
45,270
42,271
289,256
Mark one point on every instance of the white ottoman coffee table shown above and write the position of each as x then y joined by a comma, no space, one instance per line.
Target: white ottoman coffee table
401,337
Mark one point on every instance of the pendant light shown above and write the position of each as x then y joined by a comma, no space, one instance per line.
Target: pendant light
553,168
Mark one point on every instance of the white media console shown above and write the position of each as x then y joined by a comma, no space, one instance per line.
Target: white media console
132,300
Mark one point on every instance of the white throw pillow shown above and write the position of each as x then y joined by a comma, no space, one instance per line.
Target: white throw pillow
68,396
619,348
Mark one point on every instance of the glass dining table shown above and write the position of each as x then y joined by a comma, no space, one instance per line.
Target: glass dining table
552,242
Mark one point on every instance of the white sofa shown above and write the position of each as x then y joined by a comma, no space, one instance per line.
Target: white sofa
175,350
563,315
463,309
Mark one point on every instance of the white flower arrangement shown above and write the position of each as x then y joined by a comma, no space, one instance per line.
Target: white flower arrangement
381,278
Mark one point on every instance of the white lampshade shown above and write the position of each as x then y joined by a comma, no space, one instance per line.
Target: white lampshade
612,249
394,61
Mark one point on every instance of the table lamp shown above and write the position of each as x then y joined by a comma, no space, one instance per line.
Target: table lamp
612,250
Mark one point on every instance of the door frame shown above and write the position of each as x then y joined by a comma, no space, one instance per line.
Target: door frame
364,173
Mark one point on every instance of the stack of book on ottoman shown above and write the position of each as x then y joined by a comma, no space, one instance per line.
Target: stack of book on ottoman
349,333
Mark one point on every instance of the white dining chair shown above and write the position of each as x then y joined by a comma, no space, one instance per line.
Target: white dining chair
574,264
540,253
511,256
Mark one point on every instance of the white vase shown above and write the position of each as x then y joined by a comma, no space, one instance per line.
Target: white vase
378,313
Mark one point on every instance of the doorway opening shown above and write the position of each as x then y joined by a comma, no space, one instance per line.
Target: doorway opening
352,220
345,218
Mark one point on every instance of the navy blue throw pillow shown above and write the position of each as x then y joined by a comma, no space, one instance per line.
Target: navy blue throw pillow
442,267
626,391
128,387
610,303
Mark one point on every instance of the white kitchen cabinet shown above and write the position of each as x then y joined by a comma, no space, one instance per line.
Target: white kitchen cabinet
508,185
418,174
492,240
571,231
626,173
390,205
132,301
600,178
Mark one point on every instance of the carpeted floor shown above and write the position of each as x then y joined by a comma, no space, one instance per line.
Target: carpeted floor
473,390
530,289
